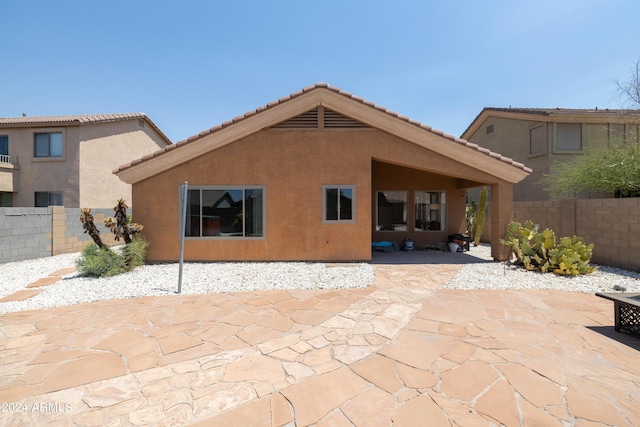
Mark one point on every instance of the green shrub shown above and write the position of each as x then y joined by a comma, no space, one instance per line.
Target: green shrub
538,251
135,253
99,262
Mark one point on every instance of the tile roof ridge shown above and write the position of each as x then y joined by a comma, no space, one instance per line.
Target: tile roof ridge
84,118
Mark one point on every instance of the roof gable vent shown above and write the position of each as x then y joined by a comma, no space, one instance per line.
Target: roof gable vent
308,120
337,120
319,118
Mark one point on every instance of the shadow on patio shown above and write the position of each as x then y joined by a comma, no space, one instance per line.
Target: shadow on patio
478,254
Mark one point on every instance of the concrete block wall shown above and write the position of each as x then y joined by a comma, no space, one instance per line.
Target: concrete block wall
25,233
69,236
29,233
612,225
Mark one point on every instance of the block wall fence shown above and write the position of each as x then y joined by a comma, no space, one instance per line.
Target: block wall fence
612,225
29,233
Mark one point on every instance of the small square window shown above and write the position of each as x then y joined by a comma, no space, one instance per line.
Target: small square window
47,144
569,136
489,129
338,203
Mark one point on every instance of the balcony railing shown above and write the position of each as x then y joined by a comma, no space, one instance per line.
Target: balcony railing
8,159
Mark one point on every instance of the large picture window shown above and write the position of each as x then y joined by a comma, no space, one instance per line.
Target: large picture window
430,210
225,212
391,210
338,203
47,144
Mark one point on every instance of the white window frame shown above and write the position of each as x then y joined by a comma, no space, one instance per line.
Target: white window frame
353,204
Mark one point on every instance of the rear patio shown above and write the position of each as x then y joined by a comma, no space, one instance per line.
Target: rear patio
402,351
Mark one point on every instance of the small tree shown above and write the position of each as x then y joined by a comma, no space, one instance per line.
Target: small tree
612,170
122,227
89,226
98,259
615,169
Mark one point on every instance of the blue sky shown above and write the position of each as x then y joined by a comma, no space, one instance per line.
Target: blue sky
193,64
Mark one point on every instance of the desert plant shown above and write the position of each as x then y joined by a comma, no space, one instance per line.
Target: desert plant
471,218
122,226
135,253
530,247
89,226
572,256
98,259
538,251
480,216
99,262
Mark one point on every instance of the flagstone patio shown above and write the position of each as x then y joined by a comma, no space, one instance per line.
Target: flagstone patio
401,352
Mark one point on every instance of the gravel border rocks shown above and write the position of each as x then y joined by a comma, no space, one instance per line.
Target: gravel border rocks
201,278
162,279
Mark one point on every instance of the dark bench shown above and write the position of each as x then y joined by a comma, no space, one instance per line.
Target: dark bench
626,308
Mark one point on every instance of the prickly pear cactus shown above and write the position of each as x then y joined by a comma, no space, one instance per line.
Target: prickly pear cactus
538,251
572,257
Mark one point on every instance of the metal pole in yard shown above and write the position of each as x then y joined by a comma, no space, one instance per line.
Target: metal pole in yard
183,224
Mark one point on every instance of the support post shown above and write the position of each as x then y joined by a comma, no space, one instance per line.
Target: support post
183,224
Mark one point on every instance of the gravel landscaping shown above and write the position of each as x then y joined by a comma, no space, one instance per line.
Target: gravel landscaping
199,278
162,279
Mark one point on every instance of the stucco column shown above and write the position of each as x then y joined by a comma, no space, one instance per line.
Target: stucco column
501,213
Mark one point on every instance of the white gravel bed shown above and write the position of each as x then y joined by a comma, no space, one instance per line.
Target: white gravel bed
203,278
502,276
162,279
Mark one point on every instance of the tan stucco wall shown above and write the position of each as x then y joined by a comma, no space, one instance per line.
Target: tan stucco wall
44,174
9,175
104,147
293,165
511,137
84,173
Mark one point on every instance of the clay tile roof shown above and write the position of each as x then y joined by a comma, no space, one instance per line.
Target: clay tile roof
354,98
77,120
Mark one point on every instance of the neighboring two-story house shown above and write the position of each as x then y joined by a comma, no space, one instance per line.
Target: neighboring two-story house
68,160
539,137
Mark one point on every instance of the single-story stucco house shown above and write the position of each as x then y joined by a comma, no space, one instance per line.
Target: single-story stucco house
315,176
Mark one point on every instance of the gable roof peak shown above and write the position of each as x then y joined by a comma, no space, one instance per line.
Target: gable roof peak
289,106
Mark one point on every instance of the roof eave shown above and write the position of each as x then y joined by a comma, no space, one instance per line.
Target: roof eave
378,117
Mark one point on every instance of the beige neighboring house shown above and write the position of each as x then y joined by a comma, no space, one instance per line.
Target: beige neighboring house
68,160
539,137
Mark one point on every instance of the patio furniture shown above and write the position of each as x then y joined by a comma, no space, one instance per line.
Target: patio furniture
462,240
626,309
